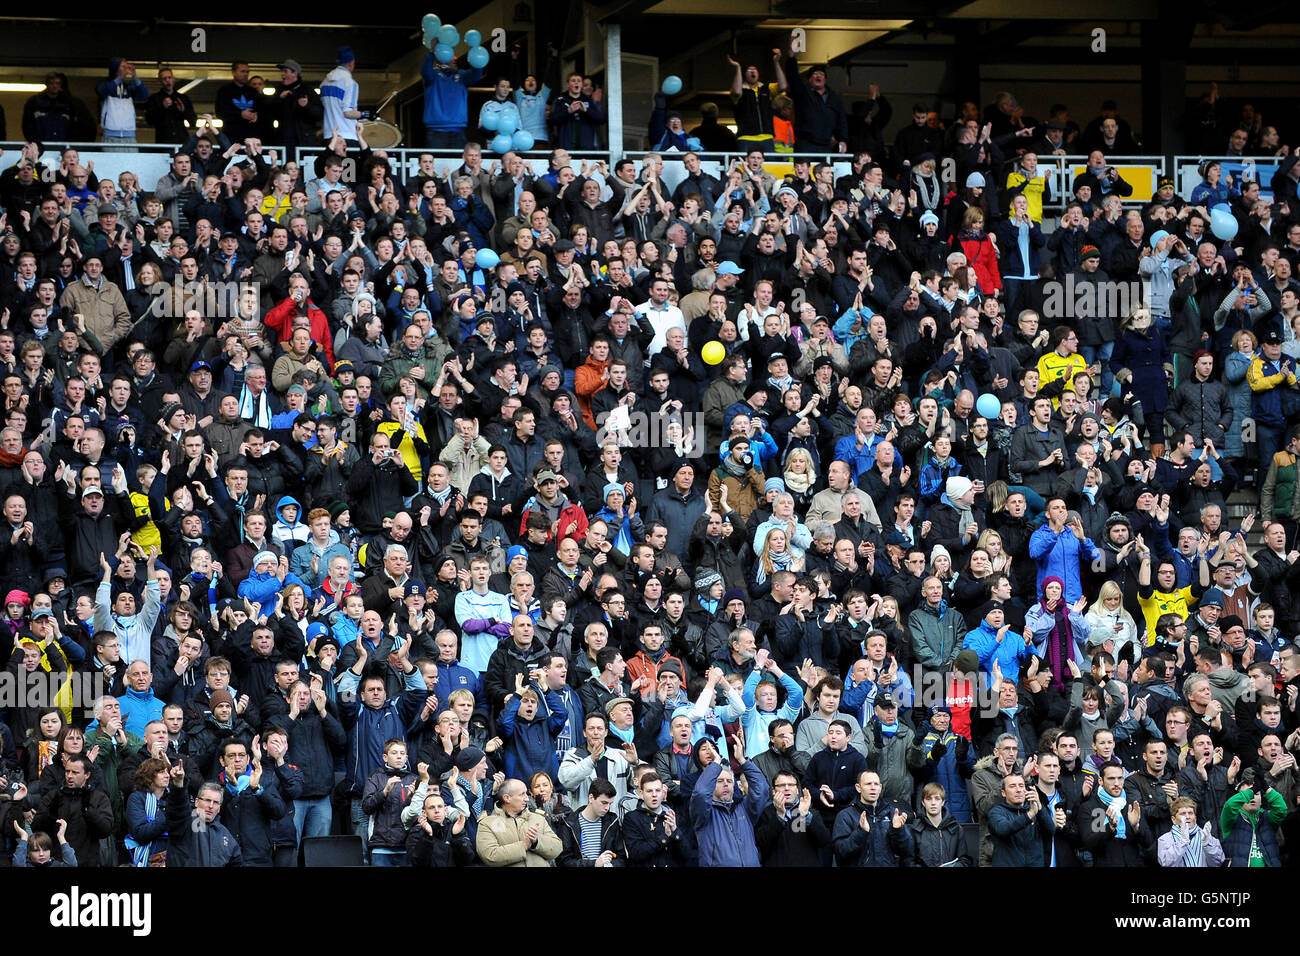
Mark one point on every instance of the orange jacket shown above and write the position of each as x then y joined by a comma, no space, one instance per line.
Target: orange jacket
640,666
587,381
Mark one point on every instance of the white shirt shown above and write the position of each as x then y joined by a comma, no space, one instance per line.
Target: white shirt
661,319
338,92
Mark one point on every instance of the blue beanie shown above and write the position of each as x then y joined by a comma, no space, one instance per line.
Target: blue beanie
515,552
346,55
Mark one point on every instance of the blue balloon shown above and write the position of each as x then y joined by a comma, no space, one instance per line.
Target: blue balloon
501,143
523,140
443,53
672,85
988,405
1223,224
431,23
490,120
478,57
449,35
473,37
508,121
486,259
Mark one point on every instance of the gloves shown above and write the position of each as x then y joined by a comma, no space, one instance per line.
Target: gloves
938,750
878,737
963,748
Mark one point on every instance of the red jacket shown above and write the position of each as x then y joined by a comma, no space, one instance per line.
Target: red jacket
573,513
280,321
982,256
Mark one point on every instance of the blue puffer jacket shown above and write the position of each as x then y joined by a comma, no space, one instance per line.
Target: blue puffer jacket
946,770
725,832
262,588
1008,653
1060,554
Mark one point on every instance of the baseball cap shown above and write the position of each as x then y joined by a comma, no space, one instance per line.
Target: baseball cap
729,268
544,476
414,587
42,612
93,490
200,364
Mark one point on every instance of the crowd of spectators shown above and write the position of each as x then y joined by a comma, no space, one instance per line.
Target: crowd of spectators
569,519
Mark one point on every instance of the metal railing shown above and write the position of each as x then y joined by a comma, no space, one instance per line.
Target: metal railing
150,161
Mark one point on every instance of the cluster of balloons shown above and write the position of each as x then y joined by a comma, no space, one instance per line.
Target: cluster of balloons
443,37
505,122
1222,222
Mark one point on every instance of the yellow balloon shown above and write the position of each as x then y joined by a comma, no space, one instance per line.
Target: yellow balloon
713,352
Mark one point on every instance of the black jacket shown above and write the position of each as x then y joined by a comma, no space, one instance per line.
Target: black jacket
1137,849
249,816
797,841
89,815
314,743
190,843
570,832
944,845
443,848
645,842
374,490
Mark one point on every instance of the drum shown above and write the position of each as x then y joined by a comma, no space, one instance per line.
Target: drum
380,134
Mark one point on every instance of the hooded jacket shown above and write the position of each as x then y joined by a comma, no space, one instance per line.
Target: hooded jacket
725,832
942,845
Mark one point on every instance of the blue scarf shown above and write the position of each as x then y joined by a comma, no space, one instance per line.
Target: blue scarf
140,854
710,606
241,783
889,729
623,735
1107,799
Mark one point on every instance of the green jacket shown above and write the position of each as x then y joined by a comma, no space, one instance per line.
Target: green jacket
399,363
1232,809
109,759
936,641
